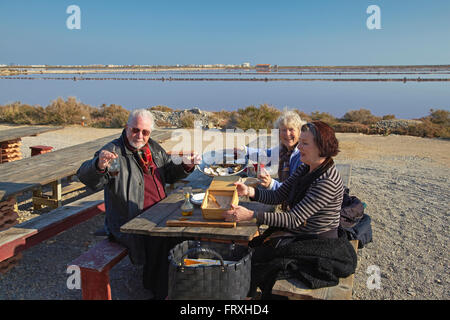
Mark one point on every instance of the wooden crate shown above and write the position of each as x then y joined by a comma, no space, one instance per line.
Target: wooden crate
216,214
10,150
8,213
221,187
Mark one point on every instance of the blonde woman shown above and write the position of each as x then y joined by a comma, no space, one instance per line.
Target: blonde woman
288,124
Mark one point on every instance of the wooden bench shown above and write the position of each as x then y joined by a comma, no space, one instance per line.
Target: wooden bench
296,290
31,232
94,268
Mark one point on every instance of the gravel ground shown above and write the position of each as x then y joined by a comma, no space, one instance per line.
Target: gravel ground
405,183
403,180
410,219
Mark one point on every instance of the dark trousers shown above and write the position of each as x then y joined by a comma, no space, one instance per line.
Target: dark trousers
265,249
156,267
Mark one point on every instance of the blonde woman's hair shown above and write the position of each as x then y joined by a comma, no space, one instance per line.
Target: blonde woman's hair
289,118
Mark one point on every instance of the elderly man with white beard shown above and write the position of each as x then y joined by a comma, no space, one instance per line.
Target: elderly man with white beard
145,168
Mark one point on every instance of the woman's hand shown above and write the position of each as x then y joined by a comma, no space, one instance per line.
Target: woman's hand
238,213
189,161
244,190
192,159
264,178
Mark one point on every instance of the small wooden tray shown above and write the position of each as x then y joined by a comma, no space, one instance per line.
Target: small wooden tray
223,187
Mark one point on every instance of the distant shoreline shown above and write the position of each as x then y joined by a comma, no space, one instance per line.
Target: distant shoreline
231,79
69,69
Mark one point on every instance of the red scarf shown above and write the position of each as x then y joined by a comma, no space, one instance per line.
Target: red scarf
143,155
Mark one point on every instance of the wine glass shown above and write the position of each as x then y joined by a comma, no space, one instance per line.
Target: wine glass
114,167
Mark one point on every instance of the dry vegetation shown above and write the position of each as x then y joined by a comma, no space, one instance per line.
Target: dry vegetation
72,111
61,112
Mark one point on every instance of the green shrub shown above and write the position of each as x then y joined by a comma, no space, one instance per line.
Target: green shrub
441,117
303,115
345,127
224,119
67,112
427,129
257,118
161,108
363,116
187,120
388,117
22,114
112,116
323,116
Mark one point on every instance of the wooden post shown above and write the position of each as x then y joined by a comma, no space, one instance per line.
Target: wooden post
16,205
54,201
57,194
95,285
38,194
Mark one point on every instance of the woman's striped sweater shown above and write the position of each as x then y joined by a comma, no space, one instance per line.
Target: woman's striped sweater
318,212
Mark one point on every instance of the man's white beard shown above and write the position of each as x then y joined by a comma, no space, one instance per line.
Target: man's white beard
137,146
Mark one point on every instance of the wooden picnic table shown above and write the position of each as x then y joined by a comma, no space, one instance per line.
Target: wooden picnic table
152,222
17,133
11,140
49,168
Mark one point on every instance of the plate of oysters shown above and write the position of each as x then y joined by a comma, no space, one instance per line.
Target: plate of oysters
222,163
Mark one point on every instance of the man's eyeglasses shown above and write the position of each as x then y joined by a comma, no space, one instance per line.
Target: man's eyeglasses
144,131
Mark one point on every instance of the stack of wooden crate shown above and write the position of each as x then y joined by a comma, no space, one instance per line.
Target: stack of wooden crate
8,219
8,213
10,150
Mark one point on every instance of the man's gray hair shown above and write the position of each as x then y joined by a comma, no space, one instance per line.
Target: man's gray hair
143,113
289,118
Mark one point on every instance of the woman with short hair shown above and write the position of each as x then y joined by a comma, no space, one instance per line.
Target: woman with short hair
288,124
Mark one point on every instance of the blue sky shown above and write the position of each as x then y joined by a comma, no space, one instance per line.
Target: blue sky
231,32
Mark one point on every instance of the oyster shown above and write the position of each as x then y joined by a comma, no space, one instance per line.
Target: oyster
225,170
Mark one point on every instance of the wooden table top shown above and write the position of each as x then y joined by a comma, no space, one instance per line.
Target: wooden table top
16,133
25,174
153,221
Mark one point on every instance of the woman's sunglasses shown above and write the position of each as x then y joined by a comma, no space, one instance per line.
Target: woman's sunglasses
144,131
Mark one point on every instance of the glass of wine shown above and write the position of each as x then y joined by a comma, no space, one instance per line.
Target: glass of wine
114,167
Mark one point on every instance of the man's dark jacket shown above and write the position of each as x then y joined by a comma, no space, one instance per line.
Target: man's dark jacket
124,194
